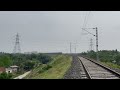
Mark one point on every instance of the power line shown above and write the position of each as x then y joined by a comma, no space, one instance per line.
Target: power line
86,19
97,55
85,22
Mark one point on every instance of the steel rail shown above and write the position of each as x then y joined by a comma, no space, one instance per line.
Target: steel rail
99,64
86,70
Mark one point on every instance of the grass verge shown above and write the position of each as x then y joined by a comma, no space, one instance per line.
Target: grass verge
53,70
112,65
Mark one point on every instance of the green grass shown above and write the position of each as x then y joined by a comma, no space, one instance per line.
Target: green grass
112,65
53,70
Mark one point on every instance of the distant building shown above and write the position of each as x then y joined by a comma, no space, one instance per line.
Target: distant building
8,70
12,69
2,69
27,52
53,53
34,52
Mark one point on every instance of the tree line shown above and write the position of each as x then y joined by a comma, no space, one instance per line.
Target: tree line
112,56
25,62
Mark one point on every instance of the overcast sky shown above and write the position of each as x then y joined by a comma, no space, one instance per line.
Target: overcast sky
52,31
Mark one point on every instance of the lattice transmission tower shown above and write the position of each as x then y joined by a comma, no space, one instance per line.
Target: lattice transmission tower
91,44
17,45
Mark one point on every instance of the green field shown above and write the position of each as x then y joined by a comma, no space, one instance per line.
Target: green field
53,70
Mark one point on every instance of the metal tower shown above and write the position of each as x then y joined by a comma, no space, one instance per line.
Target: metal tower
91,44
97,54
17,45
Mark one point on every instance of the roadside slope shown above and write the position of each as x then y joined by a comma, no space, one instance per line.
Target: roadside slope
53,70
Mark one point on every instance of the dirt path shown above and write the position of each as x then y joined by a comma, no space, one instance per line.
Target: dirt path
23,75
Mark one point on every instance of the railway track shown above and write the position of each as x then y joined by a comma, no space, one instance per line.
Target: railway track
93,70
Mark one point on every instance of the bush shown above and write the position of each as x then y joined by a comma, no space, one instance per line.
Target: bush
29,65
44,58
4,75
47,67
5,61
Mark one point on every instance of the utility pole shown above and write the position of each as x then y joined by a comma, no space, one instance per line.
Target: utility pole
97,43
97,55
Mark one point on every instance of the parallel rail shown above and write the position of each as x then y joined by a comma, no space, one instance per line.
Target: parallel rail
95,70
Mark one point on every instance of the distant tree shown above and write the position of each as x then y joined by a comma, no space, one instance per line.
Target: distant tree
44,58
5,61
4,75
116,51
29,65
33,56
117,59
105,56
24,61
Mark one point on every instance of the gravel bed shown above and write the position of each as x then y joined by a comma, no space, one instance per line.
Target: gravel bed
74,70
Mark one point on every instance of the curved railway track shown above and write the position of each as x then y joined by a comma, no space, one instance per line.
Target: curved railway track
91,69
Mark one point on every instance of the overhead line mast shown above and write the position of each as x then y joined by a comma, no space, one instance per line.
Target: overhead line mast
97,55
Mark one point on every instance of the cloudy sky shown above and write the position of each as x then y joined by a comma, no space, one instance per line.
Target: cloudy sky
52,31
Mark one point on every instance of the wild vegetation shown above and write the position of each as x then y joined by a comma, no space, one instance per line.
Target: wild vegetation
5,60
52,70
109,57
25,62
4,75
